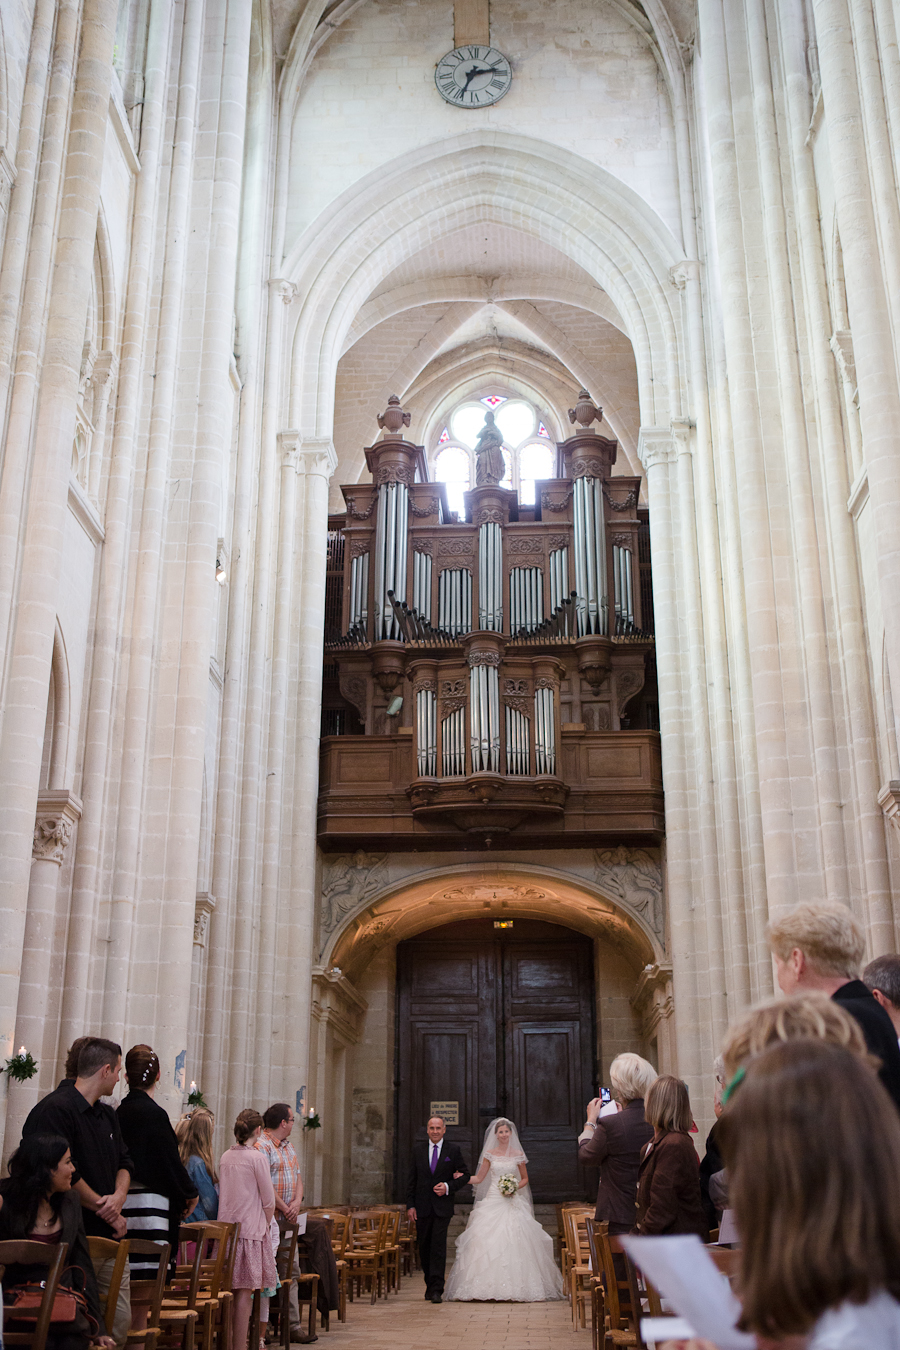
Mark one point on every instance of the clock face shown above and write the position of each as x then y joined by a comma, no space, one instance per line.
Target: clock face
473,76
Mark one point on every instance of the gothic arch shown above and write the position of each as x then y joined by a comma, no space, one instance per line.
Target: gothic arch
401,909
588,215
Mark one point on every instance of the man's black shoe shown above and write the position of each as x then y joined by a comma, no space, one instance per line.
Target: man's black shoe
436,1298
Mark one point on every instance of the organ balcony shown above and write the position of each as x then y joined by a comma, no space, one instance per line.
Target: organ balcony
493,677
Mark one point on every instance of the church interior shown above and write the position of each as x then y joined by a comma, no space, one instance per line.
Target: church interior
449,544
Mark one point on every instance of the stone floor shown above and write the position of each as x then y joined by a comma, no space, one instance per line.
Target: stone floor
407,1320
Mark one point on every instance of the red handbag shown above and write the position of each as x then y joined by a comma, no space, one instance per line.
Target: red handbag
22,1303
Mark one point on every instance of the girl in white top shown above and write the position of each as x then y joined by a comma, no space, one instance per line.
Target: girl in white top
812,1144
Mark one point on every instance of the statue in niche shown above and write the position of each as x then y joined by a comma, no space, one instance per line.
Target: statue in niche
489,464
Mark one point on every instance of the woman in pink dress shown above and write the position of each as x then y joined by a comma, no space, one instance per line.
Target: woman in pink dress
246,1197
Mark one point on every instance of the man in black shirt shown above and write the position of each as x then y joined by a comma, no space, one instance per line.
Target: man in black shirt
822,947
103,1167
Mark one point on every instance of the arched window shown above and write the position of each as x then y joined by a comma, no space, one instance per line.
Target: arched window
528,451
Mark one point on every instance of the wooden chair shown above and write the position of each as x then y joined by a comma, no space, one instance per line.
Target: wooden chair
578,1262
564,1254
621,1315
389,1256
108,1249
727,1259
340,1232
214,1296
147,1297
184,1296
367,1228
33,1254
279,1303
409,1253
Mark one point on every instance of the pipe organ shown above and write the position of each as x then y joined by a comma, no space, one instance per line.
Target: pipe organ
497,670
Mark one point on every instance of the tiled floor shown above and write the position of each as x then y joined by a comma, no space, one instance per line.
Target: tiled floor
407,1320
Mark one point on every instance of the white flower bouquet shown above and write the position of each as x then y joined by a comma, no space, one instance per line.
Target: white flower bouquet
507,1186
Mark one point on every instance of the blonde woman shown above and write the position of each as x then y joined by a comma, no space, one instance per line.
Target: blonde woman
195,1140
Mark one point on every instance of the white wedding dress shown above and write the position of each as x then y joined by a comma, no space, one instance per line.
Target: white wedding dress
504,1253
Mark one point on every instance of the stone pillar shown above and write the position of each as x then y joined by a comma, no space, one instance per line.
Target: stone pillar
57,815
30,645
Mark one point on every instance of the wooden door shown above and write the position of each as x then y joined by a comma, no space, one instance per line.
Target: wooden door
500,1021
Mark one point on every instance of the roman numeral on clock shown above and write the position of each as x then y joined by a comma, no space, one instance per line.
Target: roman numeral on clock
496,83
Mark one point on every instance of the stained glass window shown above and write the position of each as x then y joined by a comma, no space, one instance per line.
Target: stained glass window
542,430
444,437
493,400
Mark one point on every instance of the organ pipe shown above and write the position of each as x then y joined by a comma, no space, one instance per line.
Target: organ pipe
455,600
623,585
426,733
490,577
590,555
526,598
484,711
359,590
453,749
517,737
390,556
422,585
544,732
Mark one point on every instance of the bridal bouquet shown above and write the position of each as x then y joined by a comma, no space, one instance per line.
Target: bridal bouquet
507,1186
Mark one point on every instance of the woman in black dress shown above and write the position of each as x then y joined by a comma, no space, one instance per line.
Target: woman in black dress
37,1204
162,1194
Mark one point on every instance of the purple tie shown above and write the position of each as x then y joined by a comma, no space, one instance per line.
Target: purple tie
434,1149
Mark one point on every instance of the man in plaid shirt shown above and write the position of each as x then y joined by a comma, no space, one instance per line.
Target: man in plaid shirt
274,1141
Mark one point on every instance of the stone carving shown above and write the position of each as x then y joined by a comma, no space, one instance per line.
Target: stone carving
393,417
628,682
520,705
453,688
423,546
543,683
623,541
634,877
587,468
548,504
557,541
502,894
889,801
489,464
585,411
489,516
353,688
424,686
349,881
359,548
429,509
519,546
595,716
362,515
484,659
51,838
394,473
626,505
203,908
515,687
455,548
451,705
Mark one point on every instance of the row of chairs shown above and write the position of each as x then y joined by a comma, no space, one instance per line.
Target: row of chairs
374,1248
598,1272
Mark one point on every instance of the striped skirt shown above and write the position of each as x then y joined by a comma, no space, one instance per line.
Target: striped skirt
146,1215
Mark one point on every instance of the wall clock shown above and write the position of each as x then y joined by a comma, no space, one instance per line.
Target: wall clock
473,76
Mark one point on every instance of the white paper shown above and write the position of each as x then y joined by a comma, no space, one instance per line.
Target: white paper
610,1109
301,1224
656,1330
685,1274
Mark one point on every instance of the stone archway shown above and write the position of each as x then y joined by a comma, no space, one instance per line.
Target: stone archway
370,903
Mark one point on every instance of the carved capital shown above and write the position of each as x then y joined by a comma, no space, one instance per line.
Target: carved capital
681,435
623,541
682,272
889,801
203,908
423,546
312,456
484,659
57,812
394,473
656,445
841,344
286,291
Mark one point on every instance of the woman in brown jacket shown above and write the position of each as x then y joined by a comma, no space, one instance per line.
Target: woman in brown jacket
668,1197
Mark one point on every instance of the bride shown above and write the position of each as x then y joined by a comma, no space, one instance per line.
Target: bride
504,1253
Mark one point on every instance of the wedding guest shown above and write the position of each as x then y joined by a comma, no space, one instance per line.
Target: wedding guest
882,977
811,1015
668,1196
37,1204
614,1142
103,1164
711,1162
74,1050
314,1246
161,1192
194,1133
246,1196
821,947
812,1144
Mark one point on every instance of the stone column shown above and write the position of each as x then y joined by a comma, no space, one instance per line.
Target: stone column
30,645
57,814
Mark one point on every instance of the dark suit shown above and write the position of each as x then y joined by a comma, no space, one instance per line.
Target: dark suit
877,1028
434,1212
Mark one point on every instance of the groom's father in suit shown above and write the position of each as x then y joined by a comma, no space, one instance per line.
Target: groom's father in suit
438,1171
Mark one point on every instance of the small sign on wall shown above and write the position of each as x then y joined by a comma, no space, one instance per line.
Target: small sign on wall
449,1111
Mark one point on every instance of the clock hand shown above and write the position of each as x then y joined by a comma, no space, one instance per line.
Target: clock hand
487,70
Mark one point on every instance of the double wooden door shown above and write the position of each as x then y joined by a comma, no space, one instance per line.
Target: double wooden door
501,1022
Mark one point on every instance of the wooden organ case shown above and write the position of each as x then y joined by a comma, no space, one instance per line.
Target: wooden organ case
493,678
